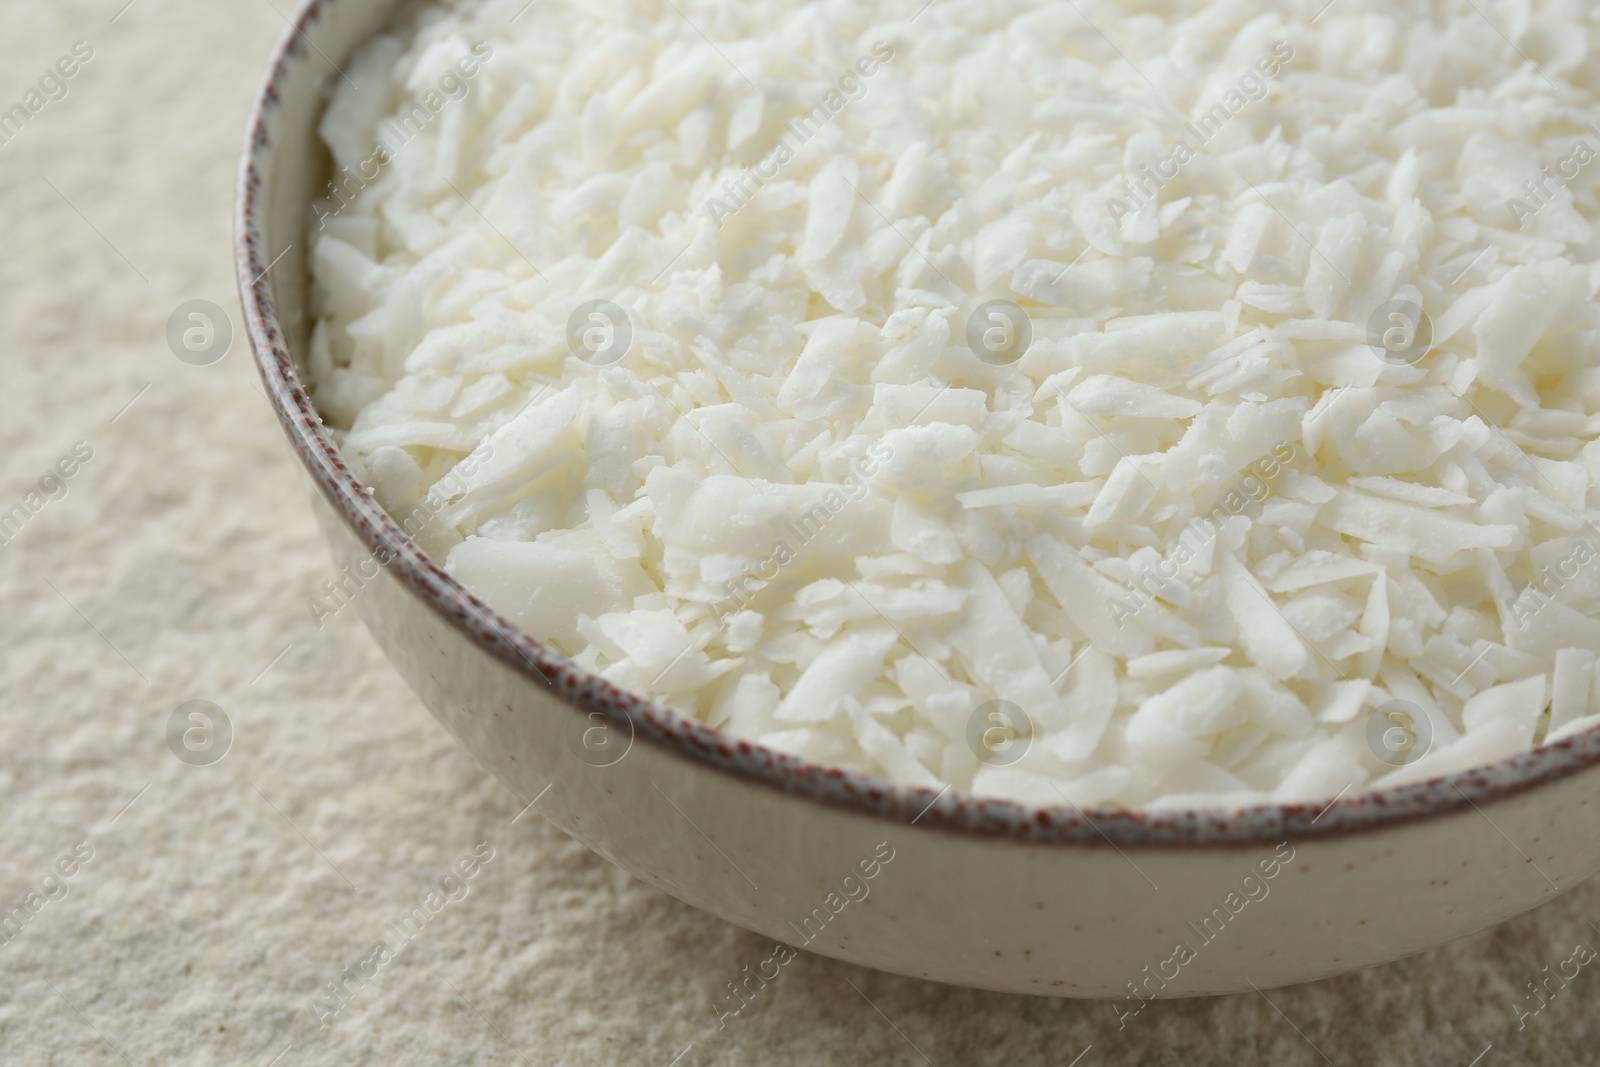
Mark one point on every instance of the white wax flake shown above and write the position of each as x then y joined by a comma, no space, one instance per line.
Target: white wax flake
1088,698
1175,726
1177,661
538,586
1093,603
1520,702
994,642
839,671
1413,530
1267,636
1032,496
1124,495
1342,701
1571,687
844,385
1107,394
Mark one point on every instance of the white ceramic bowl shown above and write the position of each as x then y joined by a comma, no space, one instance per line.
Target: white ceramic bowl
980,893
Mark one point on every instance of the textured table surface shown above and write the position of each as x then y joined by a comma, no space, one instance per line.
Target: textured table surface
218,899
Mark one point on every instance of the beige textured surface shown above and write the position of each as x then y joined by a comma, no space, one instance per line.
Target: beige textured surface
207,916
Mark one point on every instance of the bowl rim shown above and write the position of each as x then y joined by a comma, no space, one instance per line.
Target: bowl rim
587,694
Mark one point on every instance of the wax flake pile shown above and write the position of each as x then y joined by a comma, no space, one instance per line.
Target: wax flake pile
1057,401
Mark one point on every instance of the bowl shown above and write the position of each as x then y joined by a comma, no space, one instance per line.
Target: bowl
921,882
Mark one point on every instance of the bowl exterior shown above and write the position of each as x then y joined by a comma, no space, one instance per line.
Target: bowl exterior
976,893
992,912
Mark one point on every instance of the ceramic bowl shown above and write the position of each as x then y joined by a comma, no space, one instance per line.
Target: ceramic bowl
981,893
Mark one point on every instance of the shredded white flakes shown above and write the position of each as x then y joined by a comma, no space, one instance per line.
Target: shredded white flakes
1178,404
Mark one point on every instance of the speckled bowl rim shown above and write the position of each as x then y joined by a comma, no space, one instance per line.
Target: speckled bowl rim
585,692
